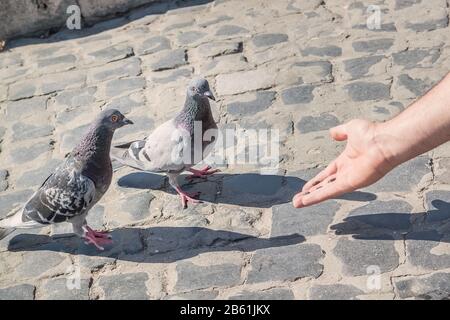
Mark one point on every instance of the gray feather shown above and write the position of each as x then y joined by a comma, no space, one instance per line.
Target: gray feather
5,232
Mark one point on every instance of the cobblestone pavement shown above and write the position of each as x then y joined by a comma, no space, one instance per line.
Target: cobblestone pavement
297,66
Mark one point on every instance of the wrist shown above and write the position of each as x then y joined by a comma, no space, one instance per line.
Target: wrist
395,142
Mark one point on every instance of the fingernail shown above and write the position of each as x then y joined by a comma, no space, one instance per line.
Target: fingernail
296,201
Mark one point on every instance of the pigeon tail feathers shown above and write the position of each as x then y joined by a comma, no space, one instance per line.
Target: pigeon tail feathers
5,232
126,160
124,145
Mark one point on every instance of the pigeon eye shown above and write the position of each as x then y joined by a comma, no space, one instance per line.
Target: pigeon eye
194,89
114,118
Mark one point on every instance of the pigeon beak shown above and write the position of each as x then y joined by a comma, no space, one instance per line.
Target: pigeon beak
209,95
126,121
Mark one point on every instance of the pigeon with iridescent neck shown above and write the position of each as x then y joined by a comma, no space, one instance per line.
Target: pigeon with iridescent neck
76,186
178,144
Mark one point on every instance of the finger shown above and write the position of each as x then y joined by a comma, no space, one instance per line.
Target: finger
324,182
328,191
331,169
339,133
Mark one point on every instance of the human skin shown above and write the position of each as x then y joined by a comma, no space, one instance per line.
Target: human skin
373,149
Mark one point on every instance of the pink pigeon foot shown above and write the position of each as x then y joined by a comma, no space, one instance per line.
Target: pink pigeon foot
188,197
203,173
97,238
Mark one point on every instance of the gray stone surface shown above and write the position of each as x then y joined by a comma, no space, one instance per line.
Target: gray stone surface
35,177
415,57
13,200
66,289
362,91
334,292
270,294
402,4
170,60
18,292
357,255
21,91
359,67
23,108
189,37
269,39
141,124
27,154
239,82
38,263
125,103
215,49
4,179
404,178
137,205
193,295
57,82
192,277
229,30
430,287
298,95
262,101
175,75
392,215
416,86
437,204
308,221
118,286
118,86
112,53
312,124
328,51
313,71
154,44
76,98
286,263
22,131
422,250
130,67
373,46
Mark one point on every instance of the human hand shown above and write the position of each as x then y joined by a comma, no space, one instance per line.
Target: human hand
364,161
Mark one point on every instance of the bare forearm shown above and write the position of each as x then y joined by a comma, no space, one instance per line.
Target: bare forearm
421,127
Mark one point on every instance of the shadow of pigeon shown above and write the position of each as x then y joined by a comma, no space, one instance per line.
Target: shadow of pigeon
154,244
248,189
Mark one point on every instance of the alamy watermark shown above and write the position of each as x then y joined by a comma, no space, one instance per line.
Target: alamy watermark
373,282
73,280
228,147
73,22
374,20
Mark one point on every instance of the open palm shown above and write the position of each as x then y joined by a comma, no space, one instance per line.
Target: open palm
362,163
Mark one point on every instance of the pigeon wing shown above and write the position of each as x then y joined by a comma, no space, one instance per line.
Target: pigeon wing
162,151
65,194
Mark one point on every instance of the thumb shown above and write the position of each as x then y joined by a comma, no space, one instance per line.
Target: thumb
339,133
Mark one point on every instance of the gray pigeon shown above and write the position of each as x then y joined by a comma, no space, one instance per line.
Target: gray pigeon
76,185
172,147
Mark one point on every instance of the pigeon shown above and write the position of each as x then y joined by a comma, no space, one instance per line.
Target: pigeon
171,148
75,186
